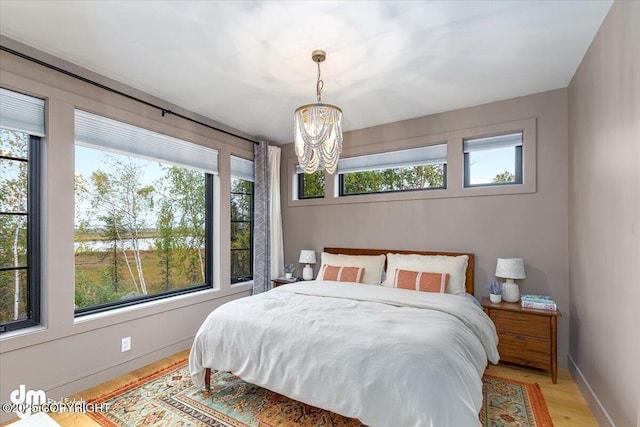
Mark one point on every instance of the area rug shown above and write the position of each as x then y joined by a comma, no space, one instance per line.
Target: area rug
167,398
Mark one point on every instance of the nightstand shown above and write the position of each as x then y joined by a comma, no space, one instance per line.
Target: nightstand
526,336
281,281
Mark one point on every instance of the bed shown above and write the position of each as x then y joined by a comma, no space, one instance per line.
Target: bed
383,355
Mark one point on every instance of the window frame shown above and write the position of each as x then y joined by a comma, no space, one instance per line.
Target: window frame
208,270
341,192
34,217
433,153
234,280
517,166
301,196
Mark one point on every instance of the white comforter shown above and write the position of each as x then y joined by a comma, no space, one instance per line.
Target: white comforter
386,356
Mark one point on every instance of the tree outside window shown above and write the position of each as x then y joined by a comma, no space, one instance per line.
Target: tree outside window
241,230
140,228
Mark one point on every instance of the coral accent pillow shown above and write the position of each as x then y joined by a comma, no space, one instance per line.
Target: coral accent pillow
372,264
342,274
421,281
456,266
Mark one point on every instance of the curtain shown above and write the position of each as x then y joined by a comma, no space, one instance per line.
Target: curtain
277,245
261,233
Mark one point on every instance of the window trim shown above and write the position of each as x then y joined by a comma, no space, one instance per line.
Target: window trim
34,218
234,280
455,173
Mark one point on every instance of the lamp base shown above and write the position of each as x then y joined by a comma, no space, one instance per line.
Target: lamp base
307,272
510,292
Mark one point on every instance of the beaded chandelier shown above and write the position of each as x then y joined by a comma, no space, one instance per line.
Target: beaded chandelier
318,130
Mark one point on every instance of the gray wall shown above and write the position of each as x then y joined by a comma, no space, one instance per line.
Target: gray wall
67,355
604,240
533,226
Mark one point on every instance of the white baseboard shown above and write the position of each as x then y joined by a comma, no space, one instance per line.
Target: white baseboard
599,412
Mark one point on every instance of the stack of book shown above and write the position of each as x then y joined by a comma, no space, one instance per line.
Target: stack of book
539,302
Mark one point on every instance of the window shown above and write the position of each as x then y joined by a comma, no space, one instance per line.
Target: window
310,186
423,168
144,215
495,160
21,126
241,220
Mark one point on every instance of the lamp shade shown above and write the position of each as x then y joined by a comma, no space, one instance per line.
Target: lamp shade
510,268
307,257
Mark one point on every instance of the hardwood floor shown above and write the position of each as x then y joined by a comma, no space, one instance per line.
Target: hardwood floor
566,405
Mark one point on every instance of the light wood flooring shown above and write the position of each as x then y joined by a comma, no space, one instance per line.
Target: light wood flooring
566,405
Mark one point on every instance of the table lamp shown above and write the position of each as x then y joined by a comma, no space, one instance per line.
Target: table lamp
307,257
510,269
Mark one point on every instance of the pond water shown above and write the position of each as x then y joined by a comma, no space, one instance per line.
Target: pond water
147,244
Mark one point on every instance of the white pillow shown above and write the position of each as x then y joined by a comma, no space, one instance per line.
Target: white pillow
373,265
456,266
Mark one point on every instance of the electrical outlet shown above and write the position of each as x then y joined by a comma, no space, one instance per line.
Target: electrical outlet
126,344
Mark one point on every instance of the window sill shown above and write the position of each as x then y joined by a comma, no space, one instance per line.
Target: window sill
242,285
447,193
156,305
15,340
22,332
375,197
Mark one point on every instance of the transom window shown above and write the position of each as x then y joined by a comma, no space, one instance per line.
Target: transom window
496,160
144,215
423,168
21,126
310,186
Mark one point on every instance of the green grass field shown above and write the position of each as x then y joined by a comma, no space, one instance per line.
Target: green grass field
95,273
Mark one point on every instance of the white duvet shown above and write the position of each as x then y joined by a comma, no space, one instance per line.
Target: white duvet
386,356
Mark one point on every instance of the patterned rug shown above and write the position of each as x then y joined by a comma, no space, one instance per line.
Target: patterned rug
167,398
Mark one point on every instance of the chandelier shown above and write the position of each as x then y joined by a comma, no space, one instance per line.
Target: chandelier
318,130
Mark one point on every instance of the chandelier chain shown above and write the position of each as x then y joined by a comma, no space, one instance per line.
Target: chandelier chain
319,86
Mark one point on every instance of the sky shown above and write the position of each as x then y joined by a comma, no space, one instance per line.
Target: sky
486,164
89,160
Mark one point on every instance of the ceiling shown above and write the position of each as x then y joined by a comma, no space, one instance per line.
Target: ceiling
248,64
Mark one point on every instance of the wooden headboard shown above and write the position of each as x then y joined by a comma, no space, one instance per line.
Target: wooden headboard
351,251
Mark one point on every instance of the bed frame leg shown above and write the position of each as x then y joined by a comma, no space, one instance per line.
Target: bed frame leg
207,379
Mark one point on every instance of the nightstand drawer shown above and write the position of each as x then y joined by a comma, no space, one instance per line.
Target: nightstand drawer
524,351
529,325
